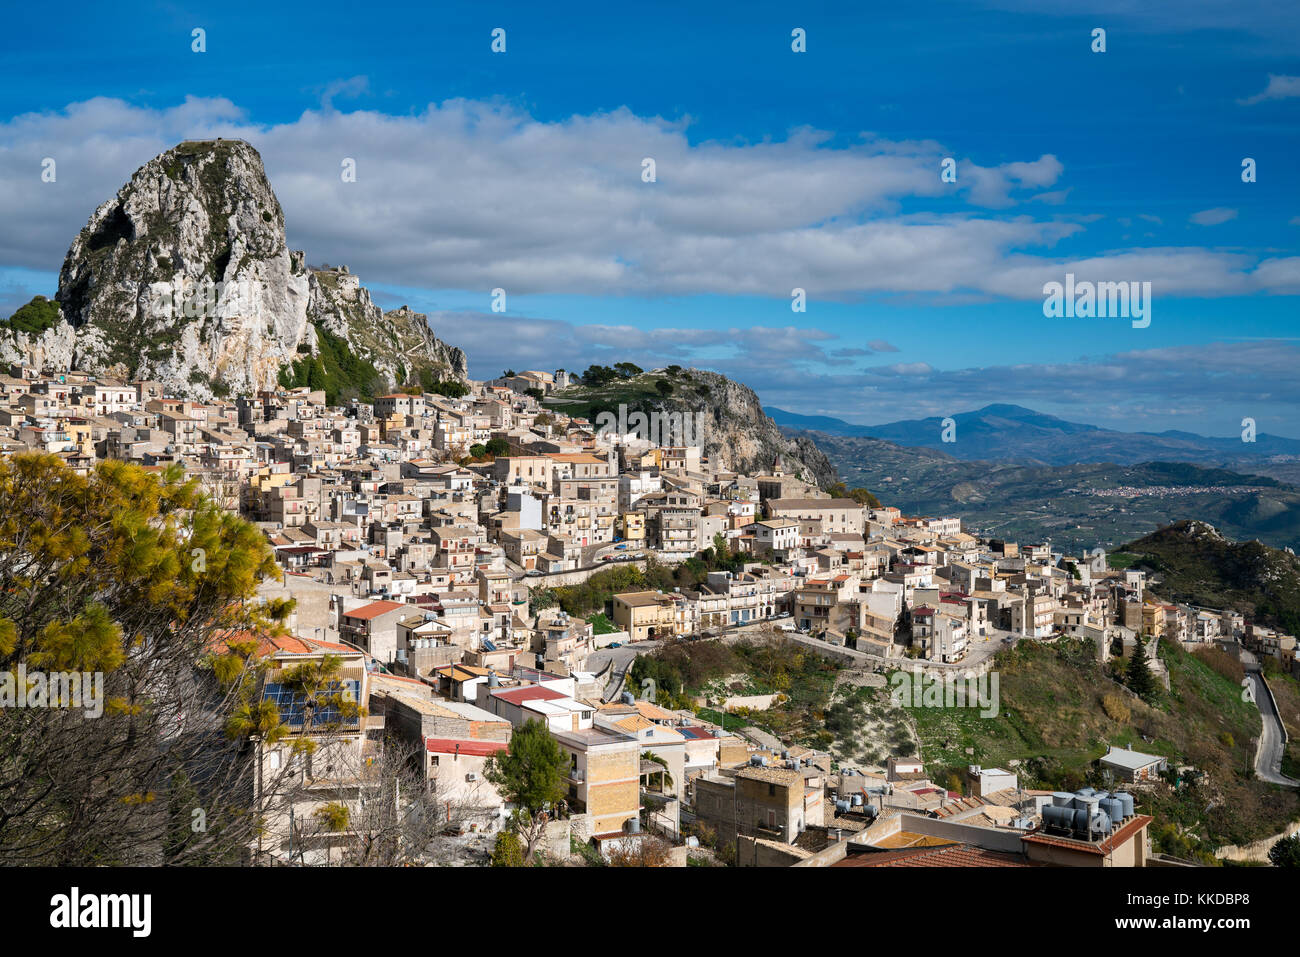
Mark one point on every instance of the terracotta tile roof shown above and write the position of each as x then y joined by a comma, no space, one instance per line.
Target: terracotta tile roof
328,645
901,840
461,746
373,610
949,855
958,805
517,696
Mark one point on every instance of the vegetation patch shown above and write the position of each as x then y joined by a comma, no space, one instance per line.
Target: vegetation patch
35,317
336,369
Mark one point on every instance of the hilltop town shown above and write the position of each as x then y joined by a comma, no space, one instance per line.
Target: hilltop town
435,541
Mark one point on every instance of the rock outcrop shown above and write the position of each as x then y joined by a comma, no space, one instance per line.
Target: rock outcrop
185,277
727,420
738,433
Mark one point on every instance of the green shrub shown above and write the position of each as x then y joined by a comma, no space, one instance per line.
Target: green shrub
507,852
35,317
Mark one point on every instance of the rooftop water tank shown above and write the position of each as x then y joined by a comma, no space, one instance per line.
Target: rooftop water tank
1058,817
1113,808
1098,825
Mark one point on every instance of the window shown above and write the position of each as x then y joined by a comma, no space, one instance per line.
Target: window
771,790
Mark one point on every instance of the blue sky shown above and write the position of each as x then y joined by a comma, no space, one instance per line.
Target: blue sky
774,170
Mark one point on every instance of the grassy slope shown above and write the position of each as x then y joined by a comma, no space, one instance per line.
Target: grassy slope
1205,569
1052,719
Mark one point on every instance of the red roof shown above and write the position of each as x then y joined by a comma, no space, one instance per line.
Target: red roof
518,696
1101,848
949,855
331,646
460,746
373,610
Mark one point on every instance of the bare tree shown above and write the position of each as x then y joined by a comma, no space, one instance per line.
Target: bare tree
395,818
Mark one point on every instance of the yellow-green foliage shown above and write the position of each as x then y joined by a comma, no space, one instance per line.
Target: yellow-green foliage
87,559
507,852
334,817
138,576
1116,708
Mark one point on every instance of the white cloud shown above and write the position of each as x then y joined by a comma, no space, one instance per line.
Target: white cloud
476,195
1212,217
1279,88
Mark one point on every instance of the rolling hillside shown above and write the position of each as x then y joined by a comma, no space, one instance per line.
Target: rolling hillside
1198,565
1079,507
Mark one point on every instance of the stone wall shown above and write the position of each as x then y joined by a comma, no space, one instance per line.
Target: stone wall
1257,851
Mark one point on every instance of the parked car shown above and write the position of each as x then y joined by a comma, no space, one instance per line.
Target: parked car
615,644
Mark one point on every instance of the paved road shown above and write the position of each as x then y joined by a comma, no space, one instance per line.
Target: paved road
1268,759
622,659
980,648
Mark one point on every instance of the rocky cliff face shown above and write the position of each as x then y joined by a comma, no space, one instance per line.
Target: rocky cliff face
737,432
727,419
185,277
398,343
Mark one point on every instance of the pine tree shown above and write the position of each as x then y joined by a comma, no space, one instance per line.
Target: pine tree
530,773
1286,852
1138,675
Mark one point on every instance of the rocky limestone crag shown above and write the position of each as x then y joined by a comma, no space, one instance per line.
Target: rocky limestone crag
736,432
185,277
396,342
51,349
729,423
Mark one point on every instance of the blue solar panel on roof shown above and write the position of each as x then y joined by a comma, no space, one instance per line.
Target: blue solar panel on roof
294,708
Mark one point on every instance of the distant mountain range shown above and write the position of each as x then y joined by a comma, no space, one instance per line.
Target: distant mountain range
1012,433
1079,506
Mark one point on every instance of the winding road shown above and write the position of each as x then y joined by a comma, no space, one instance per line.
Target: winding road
1268,758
